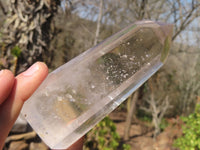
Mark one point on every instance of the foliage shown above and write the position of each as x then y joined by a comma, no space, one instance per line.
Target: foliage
104,137
16,51
190,140
126,147
143,116
163,124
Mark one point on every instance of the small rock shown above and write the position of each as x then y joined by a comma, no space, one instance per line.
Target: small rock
18,145
38,146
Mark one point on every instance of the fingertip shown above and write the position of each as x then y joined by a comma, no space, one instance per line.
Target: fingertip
43,67
42,70
6,83
30,80
38,67
6,72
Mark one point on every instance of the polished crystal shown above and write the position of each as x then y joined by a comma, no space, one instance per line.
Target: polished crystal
77,95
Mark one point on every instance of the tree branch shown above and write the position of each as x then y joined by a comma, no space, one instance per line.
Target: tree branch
99,22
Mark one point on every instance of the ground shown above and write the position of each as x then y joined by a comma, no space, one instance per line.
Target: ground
141,133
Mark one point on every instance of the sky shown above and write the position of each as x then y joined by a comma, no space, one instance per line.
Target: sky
90,12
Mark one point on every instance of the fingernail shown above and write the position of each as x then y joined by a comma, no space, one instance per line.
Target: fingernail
34,68
1,72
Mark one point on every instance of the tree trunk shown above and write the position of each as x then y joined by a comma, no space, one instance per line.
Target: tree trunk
129,118
27,32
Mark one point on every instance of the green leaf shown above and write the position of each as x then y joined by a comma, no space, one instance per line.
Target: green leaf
16,51
190,140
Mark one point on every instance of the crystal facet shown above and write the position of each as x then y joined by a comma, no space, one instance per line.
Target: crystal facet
77,95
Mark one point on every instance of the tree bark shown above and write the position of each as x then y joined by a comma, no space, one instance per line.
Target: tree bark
3,8
28,29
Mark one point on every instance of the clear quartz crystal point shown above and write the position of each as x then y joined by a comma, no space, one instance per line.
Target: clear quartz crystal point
79,94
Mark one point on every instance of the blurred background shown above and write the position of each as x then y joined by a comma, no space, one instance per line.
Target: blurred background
162,114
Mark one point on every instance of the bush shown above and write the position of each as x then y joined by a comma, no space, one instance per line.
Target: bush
190,140
104,137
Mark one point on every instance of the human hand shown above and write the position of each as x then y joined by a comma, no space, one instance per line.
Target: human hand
14,91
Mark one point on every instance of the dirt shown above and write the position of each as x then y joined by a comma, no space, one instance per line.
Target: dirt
141,133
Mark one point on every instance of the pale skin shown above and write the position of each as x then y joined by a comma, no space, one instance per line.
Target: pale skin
14,91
